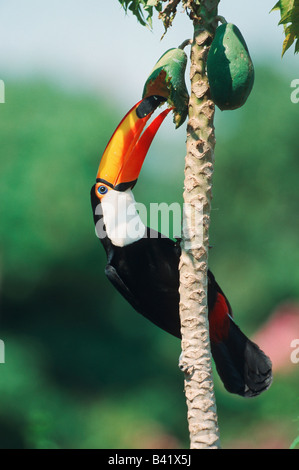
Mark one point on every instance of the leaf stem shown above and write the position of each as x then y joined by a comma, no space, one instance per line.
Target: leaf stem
185,43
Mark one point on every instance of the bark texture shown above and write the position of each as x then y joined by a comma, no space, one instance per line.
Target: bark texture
195,360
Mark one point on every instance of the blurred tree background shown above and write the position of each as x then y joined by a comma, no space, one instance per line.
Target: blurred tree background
82,369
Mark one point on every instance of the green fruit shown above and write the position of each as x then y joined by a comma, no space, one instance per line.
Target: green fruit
167,79
229,67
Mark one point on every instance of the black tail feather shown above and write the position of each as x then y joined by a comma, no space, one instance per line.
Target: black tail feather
241,364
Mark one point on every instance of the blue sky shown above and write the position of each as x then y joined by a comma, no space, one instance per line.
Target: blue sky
92,44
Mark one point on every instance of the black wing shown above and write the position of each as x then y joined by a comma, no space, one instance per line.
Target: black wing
118,283
146,274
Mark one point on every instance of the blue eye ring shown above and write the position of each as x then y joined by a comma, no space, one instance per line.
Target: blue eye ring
102,190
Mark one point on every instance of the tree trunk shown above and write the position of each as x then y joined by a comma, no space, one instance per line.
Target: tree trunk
195,360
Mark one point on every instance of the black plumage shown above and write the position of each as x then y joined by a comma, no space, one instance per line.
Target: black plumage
146,274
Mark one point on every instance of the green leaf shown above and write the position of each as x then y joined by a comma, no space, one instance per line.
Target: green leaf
285,6
289,12
143,10
276,7
291,16
289,39
286,18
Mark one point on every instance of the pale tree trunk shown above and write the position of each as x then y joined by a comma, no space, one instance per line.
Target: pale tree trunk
195,360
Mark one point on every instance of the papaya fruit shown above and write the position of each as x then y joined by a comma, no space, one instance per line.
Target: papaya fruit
229,67
167,79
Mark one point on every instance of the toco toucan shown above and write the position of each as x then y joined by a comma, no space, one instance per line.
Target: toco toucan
142,264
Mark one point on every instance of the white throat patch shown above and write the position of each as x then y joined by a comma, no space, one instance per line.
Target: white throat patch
121,219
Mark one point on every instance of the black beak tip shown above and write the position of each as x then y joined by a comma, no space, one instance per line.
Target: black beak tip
148,105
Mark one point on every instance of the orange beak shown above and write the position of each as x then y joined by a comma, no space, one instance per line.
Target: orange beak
125,153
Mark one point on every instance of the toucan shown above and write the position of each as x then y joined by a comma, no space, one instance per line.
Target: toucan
142,264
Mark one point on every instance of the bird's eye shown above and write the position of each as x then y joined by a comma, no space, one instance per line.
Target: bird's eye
102,190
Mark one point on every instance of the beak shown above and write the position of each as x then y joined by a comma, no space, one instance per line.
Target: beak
125,153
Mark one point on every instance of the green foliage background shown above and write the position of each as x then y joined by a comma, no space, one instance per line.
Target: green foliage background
83,370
